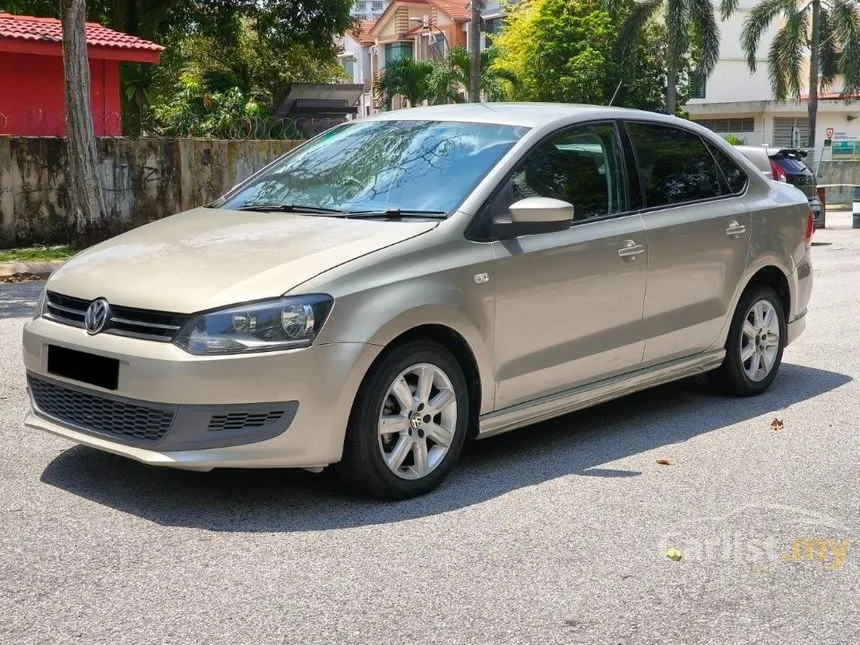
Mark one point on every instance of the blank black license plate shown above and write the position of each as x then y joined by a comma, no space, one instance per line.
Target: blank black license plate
80,366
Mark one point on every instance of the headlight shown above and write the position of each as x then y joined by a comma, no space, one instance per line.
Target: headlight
40,303
285,323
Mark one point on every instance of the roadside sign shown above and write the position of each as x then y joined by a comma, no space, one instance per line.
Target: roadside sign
829,132
828,143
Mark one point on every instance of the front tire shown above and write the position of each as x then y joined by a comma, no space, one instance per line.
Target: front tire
408,423
754,345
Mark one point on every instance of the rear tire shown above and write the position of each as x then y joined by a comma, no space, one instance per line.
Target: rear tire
408,423
754,345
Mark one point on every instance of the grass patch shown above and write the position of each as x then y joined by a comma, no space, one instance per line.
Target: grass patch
37,254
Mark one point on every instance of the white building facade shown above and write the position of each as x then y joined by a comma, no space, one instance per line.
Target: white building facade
369,9
734,101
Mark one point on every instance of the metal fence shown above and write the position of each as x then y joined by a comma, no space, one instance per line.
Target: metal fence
44,123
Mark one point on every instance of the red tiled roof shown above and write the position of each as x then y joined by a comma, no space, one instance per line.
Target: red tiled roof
361,33
49,30
831,96
457,9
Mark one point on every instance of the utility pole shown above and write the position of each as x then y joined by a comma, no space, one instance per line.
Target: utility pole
475,47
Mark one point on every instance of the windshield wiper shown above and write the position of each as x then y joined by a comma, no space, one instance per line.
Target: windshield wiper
395,213
288,208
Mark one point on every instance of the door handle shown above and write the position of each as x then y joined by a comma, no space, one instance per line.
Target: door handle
629,250
735,230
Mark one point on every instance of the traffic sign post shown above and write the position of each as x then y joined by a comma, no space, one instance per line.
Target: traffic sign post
829,132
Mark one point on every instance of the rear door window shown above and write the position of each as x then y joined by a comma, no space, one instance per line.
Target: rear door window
674,165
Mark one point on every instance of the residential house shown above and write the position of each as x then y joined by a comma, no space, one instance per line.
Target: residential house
734,101
420,29
355,56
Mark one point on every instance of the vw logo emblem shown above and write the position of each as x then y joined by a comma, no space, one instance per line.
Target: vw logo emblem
415,421
97,316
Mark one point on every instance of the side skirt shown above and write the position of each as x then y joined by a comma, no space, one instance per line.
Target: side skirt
554,405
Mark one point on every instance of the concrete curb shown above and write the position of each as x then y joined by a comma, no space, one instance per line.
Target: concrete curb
43,269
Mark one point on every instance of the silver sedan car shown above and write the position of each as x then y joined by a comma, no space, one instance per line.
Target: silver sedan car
402,284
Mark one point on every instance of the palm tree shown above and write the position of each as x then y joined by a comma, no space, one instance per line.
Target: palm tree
827,31
406,77
692,29
451,80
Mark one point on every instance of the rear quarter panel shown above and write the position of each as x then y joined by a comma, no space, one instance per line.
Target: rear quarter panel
779,219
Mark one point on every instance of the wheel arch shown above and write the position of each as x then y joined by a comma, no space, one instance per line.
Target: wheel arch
459,347
768,271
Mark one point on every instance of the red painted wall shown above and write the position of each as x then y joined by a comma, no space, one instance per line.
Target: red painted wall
32,101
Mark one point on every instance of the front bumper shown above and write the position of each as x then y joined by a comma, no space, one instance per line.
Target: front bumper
307,393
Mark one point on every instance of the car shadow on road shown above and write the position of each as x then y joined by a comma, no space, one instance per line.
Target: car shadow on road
576,444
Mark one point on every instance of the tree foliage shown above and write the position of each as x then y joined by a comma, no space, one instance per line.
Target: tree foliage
407,78
691,37
214,46
451,79
567,51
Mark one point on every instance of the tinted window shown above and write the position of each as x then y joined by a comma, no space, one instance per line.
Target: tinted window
372,165
674,165
581,166
736,179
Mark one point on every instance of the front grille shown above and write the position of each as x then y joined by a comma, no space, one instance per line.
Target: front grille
124,321
93,412
243,420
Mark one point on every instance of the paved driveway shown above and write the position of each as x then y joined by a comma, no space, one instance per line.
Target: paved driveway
553,534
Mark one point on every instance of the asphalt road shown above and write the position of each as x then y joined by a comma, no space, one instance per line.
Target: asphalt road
553,534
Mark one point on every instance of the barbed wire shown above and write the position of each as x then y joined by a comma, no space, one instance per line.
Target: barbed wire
44,123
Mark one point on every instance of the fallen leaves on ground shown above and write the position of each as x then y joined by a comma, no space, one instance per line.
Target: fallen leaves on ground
776,424
664,462
674,554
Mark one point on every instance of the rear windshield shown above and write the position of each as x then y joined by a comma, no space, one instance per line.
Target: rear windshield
792,165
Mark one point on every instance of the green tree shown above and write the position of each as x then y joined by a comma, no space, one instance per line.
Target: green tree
691,31
558,49
823,35
539,38
406,77
451,79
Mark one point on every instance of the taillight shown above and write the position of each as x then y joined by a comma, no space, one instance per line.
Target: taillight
810,229
778,172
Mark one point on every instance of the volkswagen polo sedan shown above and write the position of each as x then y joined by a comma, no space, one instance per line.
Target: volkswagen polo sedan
402,284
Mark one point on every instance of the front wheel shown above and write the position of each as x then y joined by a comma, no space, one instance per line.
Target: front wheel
408,424
754,345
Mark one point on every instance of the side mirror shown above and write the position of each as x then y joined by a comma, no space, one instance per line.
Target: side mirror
533,215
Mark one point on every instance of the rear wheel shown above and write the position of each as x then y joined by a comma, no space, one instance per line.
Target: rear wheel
754,345
408,424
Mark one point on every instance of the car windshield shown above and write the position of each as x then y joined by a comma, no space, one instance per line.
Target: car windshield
418,166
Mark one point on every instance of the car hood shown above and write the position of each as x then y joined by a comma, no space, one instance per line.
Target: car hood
206,258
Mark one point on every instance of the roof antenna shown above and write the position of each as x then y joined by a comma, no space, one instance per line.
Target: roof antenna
612,100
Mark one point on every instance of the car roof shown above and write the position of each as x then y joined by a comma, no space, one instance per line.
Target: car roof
530,115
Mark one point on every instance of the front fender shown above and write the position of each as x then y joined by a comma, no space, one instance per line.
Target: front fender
380,318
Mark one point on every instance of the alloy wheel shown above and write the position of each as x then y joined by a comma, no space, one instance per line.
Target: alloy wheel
759,342
417,421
